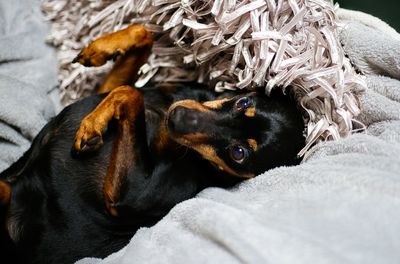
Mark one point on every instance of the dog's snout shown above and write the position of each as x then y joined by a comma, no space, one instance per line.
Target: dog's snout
183,114
183,120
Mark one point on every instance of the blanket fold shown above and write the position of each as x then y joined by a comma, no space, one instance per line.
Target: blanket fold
28,70
364,53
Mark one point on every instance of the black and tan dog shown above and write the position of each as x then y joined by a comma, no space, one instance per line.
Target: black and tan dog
136,155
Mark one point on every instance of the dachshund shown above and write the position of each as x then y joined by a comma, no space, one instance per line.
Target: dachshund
121,159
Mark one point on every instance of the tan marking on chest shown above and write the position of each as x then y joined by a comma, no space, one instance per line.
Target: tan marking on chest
163,139
5,193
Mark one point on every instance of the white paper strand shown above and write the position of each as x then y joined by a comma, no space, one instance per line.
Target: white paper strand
232,44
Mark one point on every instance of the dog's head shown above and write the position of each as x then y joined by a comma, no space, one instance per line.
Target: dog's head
243,135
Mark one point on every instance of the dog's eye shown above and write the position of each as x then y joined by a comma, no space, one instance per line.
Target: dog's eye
243,103
238,153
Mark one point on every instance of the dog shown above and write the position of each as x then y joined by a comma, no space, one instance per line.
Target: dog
120,160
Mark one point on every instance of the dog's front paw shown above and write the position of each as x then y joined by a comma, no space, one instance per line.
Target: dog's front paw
89,136
96,55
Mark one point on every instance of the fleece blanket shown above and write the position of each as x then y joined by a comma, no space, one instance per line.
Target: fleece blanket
341,205
28,71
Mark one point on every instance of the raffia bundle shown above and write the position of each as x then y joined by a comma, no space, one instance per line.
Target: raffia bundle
229,44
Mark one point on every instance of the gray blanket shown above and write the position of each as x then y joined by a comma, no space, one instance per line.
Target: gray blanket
341,205
27,75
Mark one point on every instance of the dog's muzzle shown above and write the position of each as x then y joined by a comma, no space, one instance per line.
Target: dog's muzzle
182,120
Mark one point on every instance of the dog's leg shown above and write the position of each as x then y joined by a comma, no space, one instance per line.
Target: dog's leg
125,70
130,47
130,151
120,104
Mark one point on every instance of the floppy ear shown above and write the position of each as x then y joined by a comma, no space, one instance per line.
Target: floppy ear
5,194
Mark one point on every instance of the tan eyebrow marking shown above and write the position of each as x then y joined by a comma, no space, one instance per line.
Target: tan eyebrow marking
216,103
190,104
250,112
253,143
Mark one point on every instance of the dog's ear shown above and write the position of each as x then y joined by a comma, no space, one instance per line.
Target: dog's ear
5,194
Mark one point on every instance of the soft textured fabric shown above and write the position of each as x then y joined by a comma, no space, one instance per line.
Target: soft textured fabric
341,205
225,45
28,72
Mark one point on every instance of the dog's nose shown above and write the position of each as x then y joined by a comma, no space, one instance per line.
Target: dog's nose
183,120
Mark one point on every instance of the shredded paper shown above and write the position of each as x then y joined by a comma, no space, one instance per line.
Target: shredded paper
227,44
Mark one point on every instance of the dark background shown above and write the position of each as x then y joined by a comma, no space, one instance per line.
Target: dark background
387,10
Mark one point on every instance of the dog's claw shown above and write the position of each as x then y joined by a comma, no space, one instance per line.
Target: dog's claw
77,58
89,136
115,55
92,144
93,56
86,146
93,141
87,63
